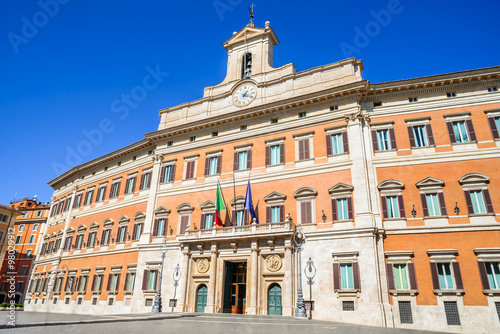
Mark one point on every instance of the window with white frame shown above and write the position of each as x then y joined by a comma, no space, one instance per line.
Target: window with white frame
460,128
160,227
115,189
494,122
167,171
240,216
213,163
105,237
113,282
207,220
303,146
477,195
88,196
400,271
336,141
101,193
150,278
305,198
445,270
432,197
35,227
21,228
346,274
275,151
190,166
391,192
39,213
420,132
242,157
129,281
130,184
275,208
489,268
97,282
184,212
145,180
342,208
32,239
383,137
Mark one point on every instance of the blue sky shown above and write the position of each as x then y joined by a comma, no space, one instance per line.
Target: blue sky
67,65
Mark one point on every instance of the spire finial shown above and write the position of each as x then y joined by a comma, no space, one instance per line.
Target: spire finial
250,9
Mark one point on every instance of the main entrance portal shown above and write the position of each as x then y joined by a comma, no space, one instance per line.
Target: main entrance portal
235,287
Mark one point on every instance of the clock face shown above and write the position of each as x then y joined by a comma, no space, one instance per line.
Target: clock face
244,95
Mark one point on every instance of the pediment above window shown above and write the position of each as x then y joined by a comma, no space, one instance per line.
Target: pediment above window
162,210
207,205
93,227
108,223
275,196
430,181
305,192
123,219
341,187
185,207
140,216
474,178
82,228
238,200
391,184
70,231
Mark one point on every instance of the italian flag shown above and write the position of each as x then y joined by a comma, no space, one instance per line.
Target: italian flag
219,206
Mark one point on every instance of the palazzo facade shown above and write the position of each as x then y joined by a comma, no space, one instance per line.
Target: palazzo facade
395,185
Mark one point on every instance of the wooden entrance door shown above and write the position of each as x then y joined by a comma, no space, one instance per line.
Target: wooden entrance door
201,298
274,300
235,287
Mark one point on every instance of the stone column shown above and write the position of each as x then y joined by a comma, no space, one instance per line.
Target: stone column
211,307
182,302
148,221
288,281
254,270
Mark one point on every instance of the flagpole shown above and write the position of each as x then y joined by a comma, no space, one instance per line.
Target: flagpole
223,199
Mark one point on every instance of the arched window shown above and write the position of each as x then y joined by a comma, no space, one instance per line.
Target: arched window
246,66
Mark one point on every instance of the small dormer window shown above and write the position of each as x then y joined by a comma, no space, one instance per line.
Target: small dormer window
246,66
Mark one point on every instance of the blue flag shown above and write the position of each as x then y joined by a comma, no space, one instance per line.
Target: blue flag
249,204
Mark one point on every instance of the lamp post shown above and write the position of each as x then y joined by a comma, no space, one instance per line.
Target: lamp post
310,272
157,304
299,239
177,277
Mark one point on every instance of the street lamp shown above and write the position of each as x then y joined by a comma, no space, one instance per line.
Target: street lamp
310,272
299,239
157,304
177,277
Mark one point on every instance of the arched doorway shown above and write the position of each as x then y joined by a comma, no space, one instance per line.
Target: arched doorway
274,300
201,298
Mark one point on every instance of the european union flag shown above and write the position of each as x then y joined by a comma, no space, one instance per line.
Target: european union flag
249,204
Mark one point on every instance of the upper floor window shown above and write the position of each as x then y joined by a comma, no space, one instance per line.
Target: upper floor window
91,239
39,213
35,227
21,228
275,210
303,146
246,66
207,221
121,234
342,208
489,267
346,272
494,126
190,167
432,197
213,164
130,184
97,282
67,204
78,200
145,180
105,237
101,193
477,195
421,135
115,189
400,271
460,128
160,227
337,143
113,282
242,158
167,173
384,139
275,153
88,197
32,239
445,270
391,192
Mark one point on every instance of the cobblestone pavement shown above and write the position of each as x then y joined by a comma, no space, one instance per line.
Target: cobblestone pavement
34,322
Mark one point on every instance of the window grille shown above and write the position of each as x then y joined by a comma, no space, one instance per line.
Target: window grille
497,305
348,305
452,316
405,315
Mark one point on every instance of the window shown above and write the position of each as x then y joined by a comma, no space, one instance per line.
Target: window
346,274
58,244
207,221
302,114
215,133
145,180
121,234
446,275
391,209
477,200
412,99
337,143
101,194
91,239
275,154
492,89
193,138
421,135
28,254
333,108
477,195
347,305
243,127
113,282
88,197
160,227
18,240
494,122
130,185
82,283
190,166
377,104
67,243
136,233
184,223
70,284
1,236
105,237
115,189
167,173
304,149
493,274
4,218
97,283
25,214
67,204
240,217
275,208
149,280
35,227
78,241
405,314
19,286
32,239
21,228
306,216
129,282
242,160
461,131
451,94
384,140
23,271
170,143
213,165
274,121
39,213
342,209
276,214
58,284
451,310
